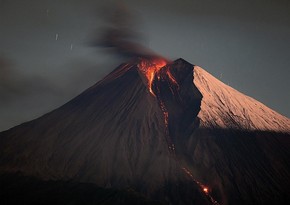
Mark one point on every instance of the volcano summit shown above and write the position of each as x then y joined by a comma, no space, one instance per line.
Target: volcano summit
151,132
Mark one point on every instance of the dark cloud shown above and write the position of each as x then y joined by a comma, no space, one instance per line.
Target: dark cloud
120,33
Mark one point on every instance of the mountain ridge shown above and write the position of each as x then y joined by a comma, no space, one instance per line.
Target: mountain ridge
216,93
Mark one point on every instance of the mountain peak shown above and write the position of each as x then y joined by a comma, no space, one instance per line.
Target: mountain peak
221,105
181,60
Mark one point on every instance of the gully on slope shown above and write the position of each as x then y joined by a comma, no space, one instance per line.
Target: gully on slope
179,100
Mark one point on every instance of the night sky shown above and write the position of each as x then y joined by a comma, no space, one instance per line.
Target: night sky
47,56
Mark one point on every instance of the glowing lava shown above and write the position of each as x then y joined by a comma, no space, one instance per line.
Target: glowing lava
205,190
170,144
149,68
171,78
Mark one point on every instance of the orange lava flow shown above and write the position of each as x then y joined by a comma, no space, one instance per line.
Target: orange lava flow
170,144
150,68
171,78
204,188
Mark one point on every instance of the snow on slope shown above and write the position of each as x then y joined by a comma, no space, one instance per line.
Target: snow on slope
225,107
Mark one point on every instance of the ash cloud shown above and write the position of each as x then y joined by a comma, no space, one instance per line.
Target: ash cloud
120,34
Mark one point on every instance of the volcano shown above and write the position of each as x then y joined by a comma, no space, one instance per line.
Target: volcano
151,132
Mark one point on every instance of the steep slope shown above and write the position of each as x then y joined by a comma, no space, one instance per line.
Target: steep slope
167,130
225,107
240,149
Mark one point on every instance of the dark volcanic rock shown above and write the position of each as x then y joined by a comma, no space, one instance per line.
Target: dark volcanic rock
193,142
19,190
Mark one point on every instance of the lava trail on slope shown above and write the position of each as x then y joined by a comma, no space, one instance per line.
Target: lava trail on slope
179,100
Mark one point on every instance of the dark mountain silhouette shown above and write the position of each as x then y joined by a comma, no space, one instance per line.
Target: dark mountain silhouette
150,132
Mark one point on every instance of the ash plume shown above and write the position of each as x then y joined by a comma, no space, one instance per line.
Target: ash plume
121,36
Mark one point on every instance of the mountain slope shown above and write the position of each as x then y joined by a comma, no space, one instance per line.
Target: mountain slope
111,135
225,107
169,131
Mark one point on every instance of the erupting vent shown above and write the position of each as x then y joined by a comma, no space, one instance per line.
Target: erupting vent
150,68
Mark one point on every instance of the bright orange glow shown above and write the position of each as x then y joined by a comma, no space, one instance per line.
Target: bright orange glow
171,146
150,68
171,77
205,190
